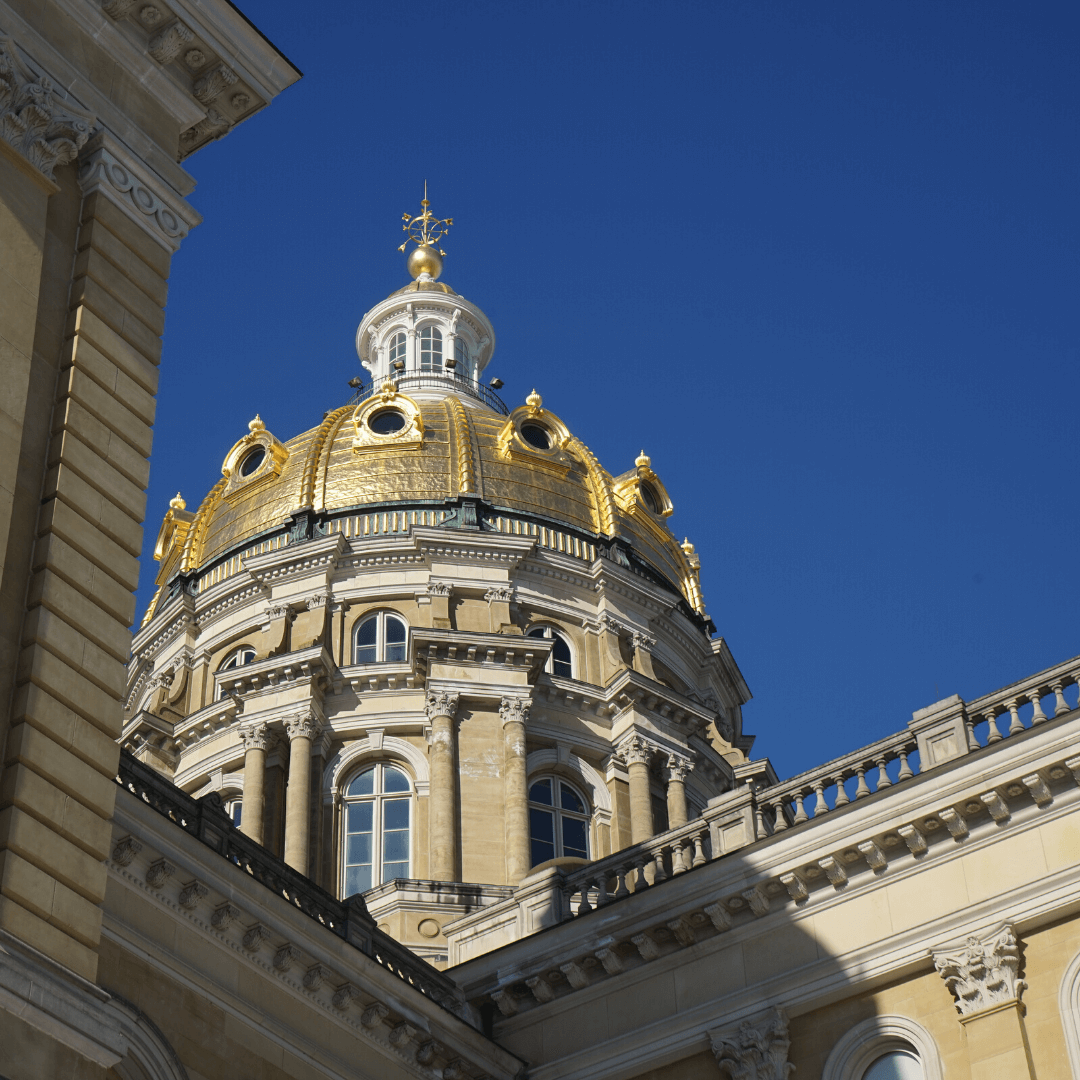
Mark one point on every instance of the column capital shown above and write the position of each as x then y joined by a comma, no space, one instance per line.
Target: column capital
256,737
513,710
108,168
982,971
499,593
302,725
635,750
441,703
759,1050
35,120
679,767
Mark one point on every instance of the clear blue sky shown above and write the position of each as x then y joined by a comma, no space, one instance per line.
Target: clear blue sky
818,260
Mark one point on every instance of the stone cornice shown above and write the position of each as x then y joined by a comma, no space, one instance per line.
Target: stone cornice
109,168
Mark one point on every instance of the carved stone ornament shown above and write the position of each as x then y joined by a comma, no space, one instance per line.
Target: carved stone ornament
499,594
191,894
34,119
208,87
755,1052
117,9
166,44
636,751
514,710
679,768
286,956
640,640
304,725
224,914
159,872
441,703
126,850
255,937
438,588
256,738
212,126
982,972
409,436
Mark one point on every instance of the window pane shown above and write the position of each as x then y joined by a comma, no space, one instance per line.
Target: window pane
237,813
364,784
366,634
365,654
393,870
542,834
574,842
230,663
396,814
560,658
395,654
395,780
395,629
396,846
541,792
896,1065
247,656
357,879
538,631
358,849
569,799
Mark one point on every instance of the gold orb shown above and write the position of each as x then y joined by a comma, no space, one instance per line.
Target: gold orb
424,260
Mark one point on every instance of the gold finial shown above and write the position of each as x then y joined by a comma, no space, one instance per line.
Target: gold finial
687,547
425,230
256,424
643,461
178,503
534,401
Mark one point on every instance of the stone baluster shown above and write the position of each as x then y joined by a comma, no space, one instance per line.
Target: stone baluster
779,817
680,861
800,810
905,769
678,768
973,742
820,805
862,789
584,907
699,848
659,871
620,882
256,740
1037,716
1016,725
993,735
640,880
637,752
842,797
514,713
301,729
883,780
1061,706
443,826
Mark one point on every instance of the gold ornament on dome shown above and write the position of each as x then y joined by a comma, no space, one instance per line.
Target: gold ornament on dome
425,230
409,435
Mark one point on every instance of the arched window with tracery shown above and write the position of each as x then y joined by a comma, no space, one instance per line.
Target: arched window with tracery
380,639
561,661
431,343
558,820
397,351
245,654
376,827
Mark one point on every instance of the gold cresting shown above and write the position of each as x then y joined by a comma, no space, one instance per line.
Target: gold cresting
425,230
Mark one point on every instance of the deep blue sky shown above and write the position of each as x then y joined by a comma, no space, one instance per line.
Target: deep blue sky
819,260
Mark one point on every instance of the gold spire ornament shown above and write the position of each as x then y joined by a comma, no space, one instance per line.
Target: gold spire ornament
425,230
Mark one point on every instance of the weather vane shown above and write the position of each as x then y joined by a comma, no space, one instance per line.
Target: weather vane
426,230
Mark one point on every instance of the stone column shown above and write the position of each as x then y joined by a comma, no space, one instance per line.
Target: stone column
443,825
514,712
255,742
678,768
636,752
301,730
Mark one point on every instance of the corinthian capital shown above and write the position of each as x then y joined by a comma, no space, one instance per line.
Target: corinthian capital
304,725
441,703
498,593
635,750
641,640
255,738
679,767
756,1051
983,971
513,710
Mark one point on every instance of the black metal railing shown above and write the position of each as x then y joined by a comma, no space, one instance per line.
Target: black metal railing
449,381
207,820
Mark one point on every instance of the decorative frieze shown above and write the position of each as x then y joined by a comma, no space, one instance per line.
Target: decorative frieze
34,119
983,972
755,1052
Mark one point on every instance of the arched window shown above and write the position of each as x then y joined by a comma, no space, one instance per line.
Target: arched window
380,639
375,828
397,351
237,658
895,1065
234,807
431,349
560,662
558,820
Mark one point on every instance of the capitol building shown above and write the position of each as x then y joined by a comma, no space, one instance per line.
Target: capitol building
426,759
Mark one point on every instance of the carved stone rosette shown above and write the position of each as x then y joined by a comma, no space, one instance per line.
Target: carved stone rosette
983,972
755,1052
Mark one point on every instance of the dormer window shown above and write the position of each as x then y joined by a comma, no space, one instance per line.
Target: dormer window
252,461
431,345
397,351
650,498
380,639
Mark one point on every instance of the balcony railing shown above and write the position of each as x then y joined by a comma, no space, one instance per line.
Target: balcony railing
448,381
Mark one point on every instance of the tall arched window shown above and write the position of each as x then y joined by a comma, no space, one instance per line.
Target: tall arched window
895,1065
375,828
461,355
380,639
397,350
888,1047
558,820
560,662
237,658
431,349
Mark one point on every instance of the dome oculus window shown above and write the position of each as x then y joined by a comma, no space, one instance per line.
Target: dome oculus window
380,639
377,806
558,821
536,435
560,662
386,421
650,498
431,343
252,461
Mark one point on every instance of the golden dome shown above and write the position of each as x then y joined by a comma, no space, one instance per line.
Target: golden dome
353,477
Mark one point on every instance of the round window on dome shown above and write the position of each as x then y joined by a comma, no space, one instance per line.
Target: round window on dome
537,436
386,421
252,461
650,498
